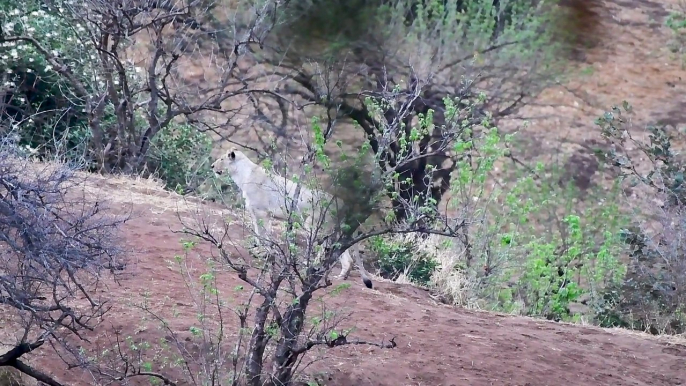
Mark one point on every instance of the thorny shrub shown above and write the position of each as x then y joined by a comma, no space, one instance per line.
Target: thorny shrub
653,295
57,245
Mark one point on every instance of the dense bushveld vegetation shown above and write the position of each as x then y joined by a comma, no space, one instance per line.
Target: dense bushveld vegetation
440,195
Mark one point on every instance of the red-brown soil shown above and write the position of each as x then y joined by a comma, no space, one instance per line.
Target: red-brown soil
440,345
437,344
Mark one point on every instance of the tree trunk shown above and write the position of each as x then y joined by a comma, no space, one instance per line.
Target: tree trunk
258,342
286,355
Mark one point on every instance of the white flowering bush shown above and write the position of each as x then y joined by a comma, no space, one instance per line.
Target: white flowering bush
41,105
67,93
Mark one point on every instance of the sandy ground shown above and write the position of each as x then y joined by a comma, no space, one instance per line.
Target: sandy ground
437,344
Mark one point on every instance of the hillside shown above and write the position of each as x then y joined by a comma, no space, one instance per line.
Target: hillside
437,345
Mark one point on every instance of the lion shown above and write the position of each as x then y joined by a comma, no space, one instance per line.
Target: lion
265,199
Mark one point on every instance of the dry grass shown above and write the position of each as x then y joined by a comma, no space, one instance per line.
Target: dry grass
450,283
671,339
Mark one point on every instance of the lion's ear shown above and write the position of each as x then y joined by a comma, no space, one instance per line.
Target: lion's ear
232,155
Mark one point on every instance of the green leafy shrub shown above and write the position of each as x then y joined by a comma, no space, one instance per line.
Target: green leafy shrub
560,271
561,246
180,155
399,255
532,241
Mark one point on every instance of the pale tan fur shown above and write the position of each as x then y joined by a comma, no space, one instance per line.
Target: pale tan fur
266,194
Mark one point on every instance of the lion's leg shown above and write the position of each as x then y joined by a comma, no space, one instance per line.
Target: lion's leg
261,226
366,279
255,223
346,265
255,226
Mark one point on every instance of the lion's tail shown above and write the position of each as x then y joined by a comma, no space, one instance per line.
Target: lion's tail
366,279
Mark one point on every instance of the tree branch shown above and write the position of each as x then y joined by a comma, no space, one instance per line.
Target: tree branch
36,374
343,341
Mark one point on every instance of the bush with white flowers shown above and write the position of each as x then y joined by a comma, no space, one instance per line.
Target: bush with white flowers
52,73
40,105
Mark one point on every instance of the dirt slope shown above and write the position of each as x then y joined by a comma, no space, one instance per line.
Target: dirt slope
437,345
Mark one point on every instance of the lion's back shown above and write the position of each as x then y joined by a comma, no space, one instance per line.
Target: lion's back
267,192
